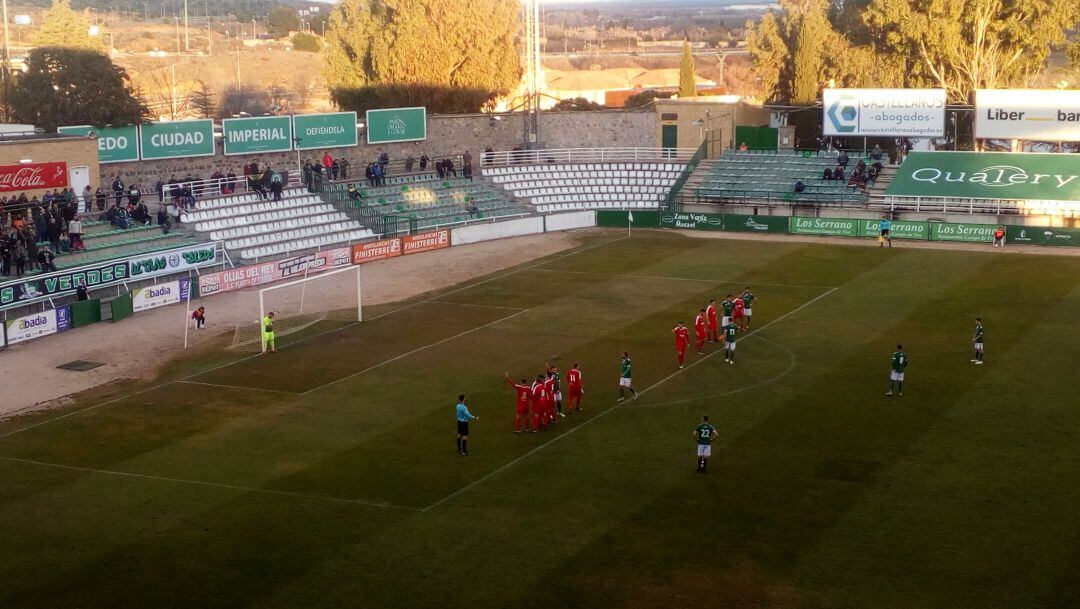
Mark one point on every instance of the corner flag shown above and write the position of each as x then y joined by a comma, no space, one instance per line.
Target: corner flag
629,221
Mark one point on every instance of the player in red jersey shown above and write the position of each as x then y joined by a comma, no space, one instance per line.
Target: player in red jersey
539,403
699,331
574,389
710,314
740,314
682,339
550,389
524,394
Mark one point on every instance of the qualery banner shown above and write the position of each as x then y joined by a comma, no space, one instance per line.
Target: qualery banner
884,112
989,175
1028,114
269,272
160,295
38,325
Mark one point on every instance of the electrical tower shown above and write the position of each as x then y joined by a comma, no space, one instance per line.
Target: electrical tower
531,19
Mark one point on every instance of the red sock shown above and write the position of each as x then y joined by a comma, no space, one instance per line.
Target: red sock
517,423
682,356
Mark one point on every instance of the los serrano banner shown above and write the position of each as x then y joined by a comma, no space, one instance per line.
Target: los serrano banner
269,272
33,176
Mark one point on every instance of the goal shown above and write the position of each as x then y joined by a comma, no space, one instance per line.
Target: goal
332,296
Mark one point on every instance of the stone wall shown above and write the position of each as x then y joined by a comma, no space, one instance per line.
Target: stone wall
447,135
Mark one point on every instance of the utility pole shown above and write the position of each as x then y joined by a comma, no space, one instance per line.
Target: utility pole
187,39
209,32
7,68
176,20
173,96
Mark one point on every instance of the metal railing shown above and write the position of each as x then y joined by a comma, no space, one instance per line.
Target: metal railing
586,155
671,199
220,187
956,205
757,197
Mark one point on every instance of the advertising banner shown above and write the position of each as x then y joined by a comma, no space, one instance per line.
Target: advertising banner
755,224
176,139
989,175
115,144
833,227
396,125
1028,114
899,229
160,295
257,134
33,176
37,325
1041,235
172,261
425,242
335,130
376,250
975,233
695,221
63,282
269,272
884,112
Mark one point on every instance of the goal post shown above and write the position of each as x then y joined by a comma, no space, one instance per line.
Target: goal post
330,296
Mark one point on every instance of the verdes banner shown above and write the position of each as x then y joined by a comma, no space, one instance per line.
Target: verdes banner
269,272
38,325
160,295
33,176
884,112
1028,114
425,242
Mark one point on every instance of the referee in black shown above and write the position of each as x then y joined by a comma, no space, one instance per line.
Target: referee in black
463,418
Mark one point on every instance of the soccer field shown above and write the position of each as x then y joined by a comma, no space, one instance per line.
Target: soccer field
326,475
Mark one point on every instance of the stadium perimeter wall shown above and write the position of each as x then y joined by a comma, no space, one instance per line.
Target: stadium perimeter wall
447,134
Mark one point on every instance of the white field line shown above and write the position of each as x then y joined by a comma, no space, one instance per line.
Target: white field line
237,387
537,449
416,350
664,277
233,487
304,339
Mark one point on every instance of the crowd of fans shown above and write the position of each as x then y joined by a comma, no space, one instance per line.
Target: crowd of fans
862,175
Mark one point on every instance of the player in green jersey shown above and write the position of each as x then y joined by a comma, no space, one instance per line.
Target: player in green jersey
731,330
268,333
899,363
748,299
977,340
728,308
625,372
705,435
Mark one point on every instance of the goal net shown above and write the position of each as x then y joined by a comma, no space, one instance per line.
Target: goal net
332,296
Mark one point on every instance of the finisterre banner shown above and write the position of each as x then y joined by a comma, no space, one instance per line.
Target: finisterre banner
1028,114
884,112
989,175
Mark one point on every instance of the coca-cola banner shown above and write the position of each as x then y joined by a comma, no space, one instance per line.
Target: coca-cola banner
33,176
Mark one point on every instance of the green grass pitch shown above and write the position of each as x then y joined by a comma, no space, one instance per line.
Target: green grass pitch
326,475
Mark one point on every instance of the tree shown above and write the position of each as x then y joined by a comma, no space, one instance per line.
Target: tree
448,56
576,103
1073,53
236,101
282,20
643,99
963,45
202,99
64,86
63,27
769,52
302,41
687,80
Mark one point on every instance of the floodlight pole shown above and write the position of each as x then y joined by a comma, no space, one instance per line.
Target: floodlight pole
7,68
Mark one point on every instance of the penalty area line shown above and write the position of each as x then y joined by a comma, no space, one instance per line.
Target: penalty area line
219,485
610,410
237,387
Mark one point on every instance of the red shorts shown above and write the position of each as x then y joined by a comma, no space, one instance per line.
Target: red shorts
522,408
574,391
738,313
713,325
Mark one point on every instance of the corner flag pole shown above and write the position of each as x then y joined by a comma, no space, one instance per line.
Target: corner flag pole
629,222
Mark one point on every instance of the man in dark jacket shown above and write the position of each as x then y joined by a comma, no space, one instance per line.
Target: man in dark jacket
118,188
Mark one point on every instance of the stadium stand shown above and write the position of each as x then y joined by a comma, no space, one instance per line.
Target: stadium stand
420,201
567,186
255,228
104,241
770,176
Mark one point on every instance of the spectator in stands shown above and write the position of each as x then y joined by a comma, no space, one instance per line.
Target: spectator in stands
466,165
743,147
75,232
354,194
198,316
87,199
335,169
860,167
380,177
65,242
163,219
827,175
409,162
134,195
219,181
448,168
45,261
20,254
317,176
799,187
328,162
440,169
369,174
159,190
423,161
231,181
384,160
5,256
142,214
52,230
838,173
38,216
343,167
100,198
877,153
843,159
472,208
276,184
872,174
118,188
82,293
30,237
